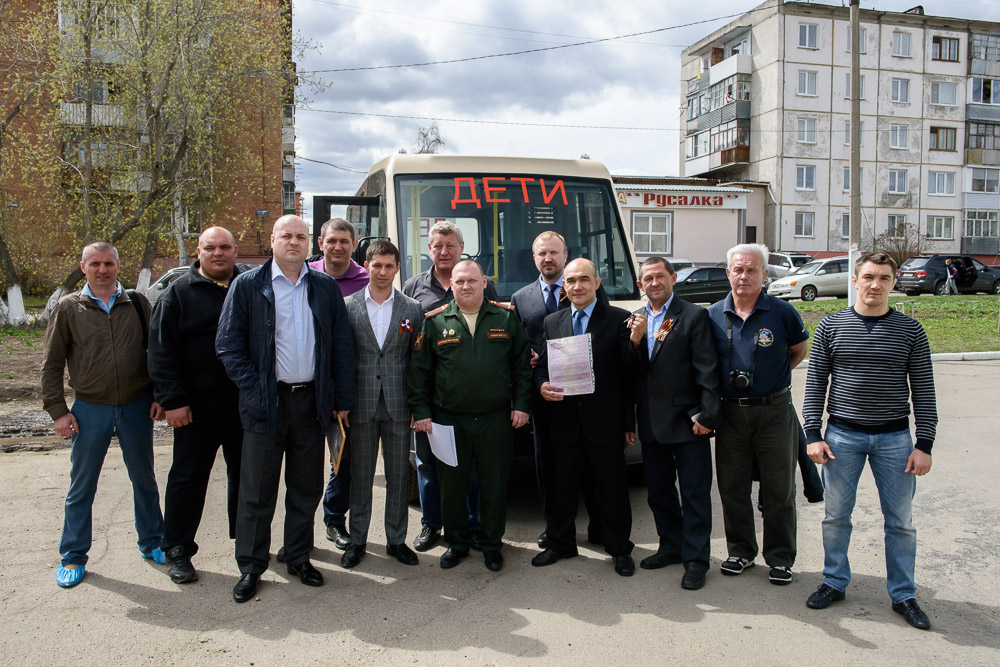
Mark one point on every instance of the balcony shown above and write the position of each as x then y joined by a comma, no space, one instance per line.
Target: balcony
984,156
731,66
983,113
104,115
981,200
980,245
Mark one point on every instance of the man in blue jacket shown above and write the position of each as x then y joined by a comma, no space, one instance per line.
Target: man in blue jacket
285,340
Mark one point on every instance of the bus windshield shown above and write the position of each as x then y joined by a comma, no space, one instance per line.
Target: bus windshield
500,216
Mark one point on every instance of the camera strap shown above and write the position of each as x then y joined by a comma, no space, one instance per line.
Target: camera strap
729,339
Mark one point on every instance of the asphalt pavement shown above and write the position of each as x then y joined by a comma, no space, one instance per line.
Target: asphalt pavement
576,612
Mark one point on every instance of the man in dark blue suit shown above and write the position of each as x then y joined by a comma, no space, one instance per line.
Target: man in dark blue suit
586,430
533,303
678,406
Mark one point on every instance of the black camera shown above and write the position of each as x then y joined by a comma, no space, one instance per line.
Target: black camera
741,379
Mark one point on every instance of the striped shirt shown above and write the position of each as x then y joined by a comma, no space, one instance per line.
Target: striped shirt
873,366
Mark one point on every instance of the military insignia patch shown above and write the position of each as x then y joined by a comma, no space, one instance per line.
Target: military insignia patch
418,344
765,338
448,341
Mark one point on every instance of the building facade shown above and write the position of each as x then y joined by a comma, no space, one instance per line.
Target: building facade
767,98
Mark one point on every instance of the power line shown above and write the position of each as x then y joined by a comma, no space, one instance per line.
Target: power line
336,166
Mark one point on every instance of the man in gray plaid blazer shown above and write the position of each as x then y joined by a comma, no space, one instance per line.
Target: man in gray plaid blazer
384,323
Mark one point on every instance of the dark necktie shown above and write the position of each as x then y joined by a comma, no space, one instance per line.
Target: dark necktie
578,323
551,304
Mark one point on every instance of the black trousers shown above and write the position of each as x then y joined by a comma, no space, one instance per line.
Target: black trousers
300,440
545,464
213,424
613,513
684,525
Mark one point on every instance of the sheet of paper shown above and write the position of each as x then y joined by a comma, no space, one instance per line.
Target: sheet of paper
336,438
442,439
571,364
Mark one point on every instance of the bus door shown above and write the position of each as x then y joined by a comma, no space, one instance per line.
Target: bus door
362,212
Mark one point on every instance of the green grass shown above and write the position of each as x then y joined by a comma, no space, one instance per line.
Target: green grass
15,338
966,323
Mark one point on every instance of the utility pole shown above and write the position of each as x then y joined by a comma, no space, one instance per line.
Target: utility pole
855,236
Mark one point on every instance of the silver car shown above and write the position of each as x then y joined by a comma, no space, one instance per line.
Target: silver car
822,277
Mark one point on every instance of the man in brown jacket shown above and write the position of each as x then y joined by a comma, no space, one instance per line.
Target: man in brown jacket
101,333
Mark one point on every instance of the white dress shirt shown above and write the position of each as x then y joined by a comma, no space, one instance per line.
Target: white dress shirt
294,331
379,315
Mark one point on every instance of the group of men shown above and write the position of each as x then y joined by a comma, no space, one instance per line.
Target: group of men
278,348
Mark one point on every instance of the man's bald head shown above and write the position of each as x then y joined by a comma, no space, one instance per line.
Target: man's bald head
216,235
217,254
289,221
470,264
583,264
580,282
290,243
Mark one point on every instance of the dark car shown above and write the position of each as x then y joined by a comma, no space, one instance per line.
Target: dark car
702,284
926,273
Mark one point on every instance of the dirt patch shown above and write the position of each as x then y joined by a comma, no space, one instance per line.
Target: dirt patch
20,365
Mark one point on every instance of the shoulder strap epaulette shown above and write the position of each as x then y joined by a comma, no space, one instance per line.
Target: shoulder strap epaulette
506,306
432,313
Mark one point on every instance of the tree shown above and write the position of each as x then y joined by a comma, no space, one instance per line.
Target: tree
160,110
428,139
900,243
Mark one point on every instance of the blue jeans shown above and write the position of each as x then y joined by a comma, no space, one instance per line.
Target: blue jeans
887,454
131,423
430,488
337,497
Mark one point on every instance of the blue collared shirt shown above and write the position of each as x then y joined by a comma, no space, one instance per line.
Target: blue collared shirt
106,307
653,323
294,331
587,312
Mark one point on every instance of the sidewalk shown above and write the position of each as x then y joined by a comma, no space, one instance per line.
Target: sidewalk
578,612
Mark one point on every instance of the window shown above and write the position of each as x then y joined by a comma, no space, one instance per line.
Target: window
898,135
804,224
942,139
900,90
862,34
941,183
189,220
100,92
897,181
944,93
847,179
984,135
807,83
729,135
985,91
692,108
985,180
805,177
845,226
847,86
807,35
901,44
897,225
806,131
986,47
288,197
944,48
653,233
980,223
847,133
940,227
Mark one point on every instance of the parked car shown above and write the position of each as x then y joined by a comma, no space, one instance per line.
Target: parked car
154,291
702,284
780,264
926,273
822,277
679,263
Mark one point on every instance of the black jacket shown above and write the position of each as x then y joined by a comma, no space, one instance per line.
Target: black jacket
245,345
181,356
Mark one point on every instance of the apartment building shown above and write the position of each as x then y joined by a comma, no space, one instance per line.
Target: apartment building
767,98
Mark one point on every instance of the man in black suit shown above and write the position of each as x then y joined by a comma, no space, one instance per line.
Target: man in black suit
533,303
586,430
678,405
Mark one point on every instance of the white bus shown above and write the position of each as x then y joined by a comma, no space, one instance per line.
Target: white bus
501,204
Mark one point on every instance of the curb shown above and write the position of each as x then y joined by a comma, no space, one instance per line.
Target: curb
965,356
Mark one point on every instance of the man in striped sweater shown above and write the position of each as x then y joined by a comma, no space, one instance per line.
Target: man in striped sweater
876,361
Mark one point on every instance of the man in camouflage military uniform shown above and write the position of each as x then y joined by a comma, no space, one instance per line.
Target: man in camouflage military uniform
470,369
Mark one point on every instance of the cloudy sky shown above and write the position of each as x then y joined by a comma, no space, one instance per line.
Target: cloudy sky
619,97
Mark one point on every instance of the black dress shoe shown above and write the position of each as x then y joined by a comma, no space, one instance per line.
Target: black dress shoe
824,596
246,587
352,556
427,538
543,540
339,536
494,560
280,557
402,553
624,565
550,556
451,558
308,575
181,570
658,560
913,614
694,576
